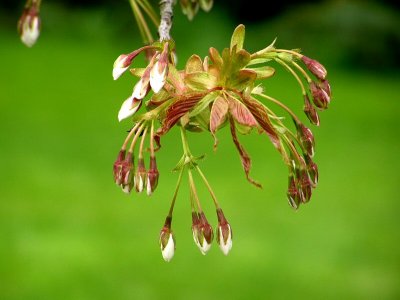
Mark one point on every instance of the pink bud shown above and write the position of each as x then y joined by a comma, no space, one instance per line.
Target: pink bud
127,173
224,233
140,176
29,25
293,193
117,168
306,138
314,67
310,111
167,241
320,97
152,176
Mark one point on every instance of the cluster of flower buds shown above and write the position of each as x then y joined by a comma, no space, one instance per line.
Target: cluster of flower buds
129,177
29,23
153,77
191,7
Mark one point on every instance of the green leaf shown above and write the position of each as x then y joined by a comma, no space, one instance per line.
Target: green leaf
238,37
138,72
175,78
200,81
242,79
263,72
194,64
203,104
215,57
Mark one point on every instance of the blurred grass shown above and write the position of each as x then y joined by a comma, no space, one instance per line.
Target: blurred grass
67,232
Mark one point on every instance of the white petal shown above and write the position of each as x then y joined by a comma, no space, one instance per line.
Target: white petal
140,186
126,188
225,248
126,109
169,250
30,34
157,80
149,191
117,72
204,249
139,91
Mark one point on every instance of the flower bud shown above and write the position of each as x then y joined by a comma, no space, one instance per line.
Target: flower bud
202,232
142,87
129,107
305,184
121,64
159,72
314,67
320,97
29,25
140,176
312,170
206,5
152,176
167,241
326,87
306,139
127,171
224,233
293,194
310,111
117,168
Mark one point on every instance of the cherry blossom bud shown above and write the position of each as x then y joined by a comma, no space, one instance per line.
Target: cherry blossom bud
128,108
326,87
293,194
127,173
140,176
29,26
167,241
224,233
142,87
314,67
306,186
117,168
312,170
152,176
202,232
159,72
320,97
310,111
306,138
121,64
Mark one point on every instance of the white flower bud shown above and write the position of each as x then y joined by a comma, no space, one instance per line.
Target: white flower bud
128,108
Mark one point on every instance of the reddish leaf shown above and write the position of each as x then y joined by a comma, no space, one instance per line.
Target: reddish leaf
245,158
241,113
218,115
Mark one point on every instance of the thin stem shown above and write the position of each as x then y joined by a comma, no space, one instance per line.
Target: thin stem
144,4
185,144
171,209
309,80
208,187
145,31
297,120
303,90
290,51
142,143
193,191
152,139
166,12
131,132
135,138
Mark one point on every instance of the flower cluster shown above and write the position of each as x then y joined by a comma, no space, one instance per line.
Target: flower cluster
29,23
208,94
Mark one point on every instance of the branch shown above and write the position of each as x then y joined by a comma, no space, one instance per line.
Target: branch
166,12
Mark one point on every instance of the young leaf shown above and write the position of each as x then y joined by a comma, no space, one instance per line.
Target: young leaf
218,114
200,81
203,104
238,37
241,113
263,72
194,64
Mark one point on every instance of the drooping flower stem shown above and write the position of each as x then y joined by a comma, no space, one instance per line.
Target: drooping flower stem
178,184
144,4
142,143
208,187
166,12
285,65
152,139
185,144
194,191
131,132
297,54
142,24
306,76
291,113
133,143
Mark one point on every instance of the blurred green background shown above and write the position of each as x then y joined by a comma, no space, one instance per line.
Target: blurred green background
66,230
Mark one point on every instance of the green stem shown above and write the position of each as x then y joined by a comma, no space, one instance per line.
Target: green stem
142,143
193,191
144,4
171,209
303,90
297,120
308,78
208,187
131,132
185,144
